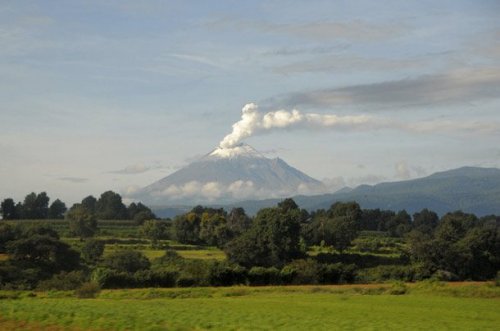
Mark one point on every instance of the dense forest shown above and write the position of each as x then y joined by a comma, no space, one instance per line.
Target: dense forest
280,245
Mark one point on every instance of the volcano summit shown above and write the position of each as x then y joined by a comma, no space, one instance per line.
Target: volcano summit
227,175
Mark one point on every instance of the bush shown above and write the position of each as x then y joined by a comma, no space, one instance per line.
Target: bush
185,281
157,278
88,290
301,272
264,276
127,261
64,281
384,273
338,273
92,250
226,274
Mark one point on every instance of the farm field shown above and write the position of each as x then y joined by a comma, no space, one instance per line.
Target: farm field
459,306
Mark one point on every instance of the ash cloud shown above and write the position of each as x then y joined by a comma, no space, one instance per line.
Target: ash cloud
254,122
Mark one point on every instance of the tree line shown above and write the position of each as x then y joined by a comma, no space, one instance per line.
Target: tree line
108,206
274,247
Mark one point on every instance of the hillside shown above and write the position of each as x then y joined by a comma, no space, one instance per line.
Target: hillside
471,189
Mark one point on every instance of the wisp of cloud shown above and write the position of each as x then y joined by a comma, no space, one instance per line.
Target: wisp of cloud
254,122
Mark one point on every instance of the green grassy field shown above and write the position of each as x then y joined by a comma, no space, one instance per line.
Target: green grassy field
355,307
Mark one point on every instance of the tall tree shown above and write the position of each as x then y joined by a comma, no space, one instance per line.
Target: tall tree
139,213
81,223
272,240
425,221
57,209
89,203
110,206
8,209
238,221
35,206
342,225
154,230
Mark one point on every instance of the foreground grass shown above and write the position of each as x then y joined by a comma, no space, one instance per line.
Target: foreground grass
371,307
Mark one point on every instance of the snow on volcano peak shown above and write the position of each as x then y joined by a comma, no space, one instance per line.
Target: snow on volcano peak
241,150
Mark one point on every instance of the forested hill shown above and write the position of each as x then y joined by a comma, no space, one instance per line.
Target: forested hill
470,189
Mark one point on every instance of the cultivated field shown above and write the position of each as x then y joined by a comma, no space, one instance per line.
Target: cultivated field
424,306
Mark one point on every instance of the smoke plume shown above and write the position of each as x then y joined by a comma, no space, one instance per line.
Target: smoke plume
254,122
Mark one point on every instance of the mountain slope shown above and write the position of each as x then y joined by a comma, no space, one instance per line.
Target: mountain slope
471,189
227,175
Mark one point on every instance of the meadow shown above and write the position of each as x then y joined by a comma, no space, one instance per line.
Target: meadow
398,306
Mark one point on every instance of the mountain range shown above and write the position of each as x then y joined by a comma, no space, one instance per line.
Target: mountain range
470,189
243,177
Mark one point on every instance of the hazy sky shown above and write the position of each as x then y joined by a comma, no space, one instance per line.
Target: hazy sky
98,95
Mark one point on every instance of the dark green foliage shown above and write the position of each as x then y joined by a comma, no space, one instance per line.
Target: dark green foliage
399,224
460,245
203,226
64,281
339,226
272,240
139,213
237,221
8,210
288,205
337,273
263,276
92,250
214,230
81,222
57,209
453,226
7,233
110,206
44,252
35,206
127,261
89,203
34,229
301,272
226,274
187,228
425,221
375,219
154,230
383,273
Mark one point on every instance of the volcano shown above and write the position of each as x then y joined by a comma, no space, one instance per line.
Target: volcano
228,175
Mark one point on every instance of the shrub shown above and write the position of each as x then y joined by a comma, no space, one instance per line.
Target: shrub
92,250
157,278
445,276
63,281
226,274
302,272
384,273
264,276
88,290
338,273
185,281
127,261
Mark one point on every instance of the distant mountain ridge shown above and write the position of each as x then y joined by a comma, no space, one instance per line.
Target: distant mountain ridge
470,189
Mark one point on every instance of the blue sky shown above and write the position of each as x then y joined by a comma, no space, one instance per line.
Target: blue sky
98,95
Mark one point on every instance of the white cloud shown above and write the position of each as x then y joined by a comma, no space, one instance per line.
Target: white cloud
402,170
132,170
